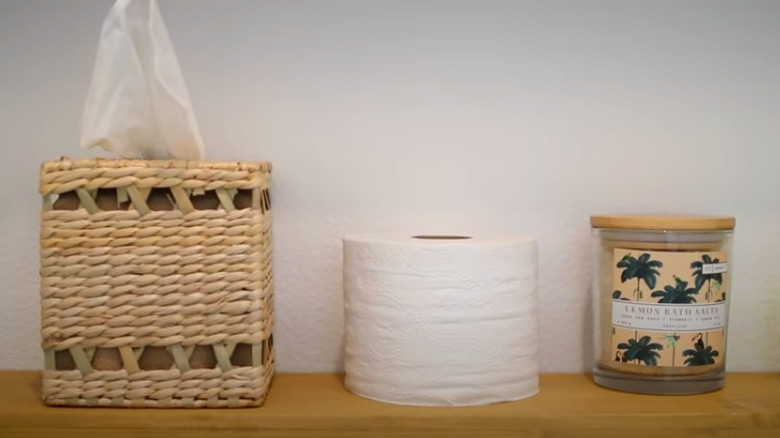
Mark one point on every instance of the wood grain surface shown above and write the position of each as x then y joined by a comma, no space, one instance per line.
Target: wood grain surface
298,405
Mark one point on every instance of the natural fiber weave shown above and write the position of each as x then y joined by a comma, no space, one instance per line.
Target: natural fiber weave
149,286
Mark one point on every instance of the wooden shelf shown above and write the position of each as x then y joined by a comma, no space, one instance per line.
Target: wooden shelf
569,405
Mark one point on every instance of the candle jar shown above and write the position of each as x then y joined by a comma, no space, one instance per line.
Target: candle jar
661,288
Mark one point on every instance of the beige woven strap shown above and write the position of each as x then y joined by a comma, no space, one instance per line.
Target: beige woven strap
200,179
81,360
180,357
129,359
87,201
257,354
238,387
138,198
183,202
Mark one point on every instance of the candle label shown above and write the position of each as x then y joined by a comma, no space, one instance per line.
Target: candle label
669,307
663,317
714,268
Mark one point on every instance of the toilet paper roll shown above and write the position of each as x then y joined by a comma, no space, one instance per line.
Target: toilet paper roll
440,320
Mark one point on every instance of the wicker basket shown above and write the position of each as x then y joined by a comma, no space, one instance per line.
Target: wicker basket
156,283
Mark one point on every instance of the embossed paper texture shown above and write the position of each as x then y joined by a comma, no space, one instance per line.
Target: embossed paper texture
441,323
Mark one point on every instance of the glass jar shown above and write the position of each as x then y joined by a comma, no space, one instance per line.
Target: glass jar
660,300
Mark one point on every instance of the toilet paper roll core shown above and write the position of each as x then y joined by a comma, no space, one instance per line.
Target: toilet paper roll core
439,237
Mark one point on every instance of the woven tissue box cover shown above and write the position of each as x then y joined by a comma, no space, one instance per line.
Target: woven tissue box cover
156,283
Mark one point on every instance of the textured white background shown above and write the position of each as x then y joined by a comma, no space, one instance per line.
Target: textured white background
453,116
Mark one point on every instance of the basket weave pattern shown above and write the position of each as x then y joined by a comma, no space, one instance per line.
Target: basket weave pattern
132,281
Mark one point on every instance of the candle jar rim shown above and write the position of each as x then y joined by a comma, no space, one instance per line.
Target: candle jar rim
664,222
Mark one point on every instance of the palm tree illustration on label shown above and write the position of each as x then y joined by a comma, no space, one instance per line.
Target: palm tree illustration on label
641,351
671,342
642,269
713,280
680,293
700,277
700,354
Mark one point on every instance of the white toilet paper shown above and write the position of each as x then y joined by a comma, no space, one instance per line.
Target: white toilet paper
440,322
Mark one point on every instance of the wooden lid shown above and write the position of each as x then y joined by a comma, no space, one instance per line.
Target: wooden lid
662,222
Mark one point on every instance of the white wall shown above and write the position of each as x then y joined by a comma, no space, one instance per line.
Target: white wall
466,116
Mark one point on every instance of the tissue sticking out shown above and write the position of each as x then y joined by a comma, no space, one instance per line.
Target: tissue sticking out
137,104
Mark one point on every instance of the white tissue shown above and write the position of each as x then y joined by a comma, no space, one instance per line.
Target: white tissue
440,322
137,105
